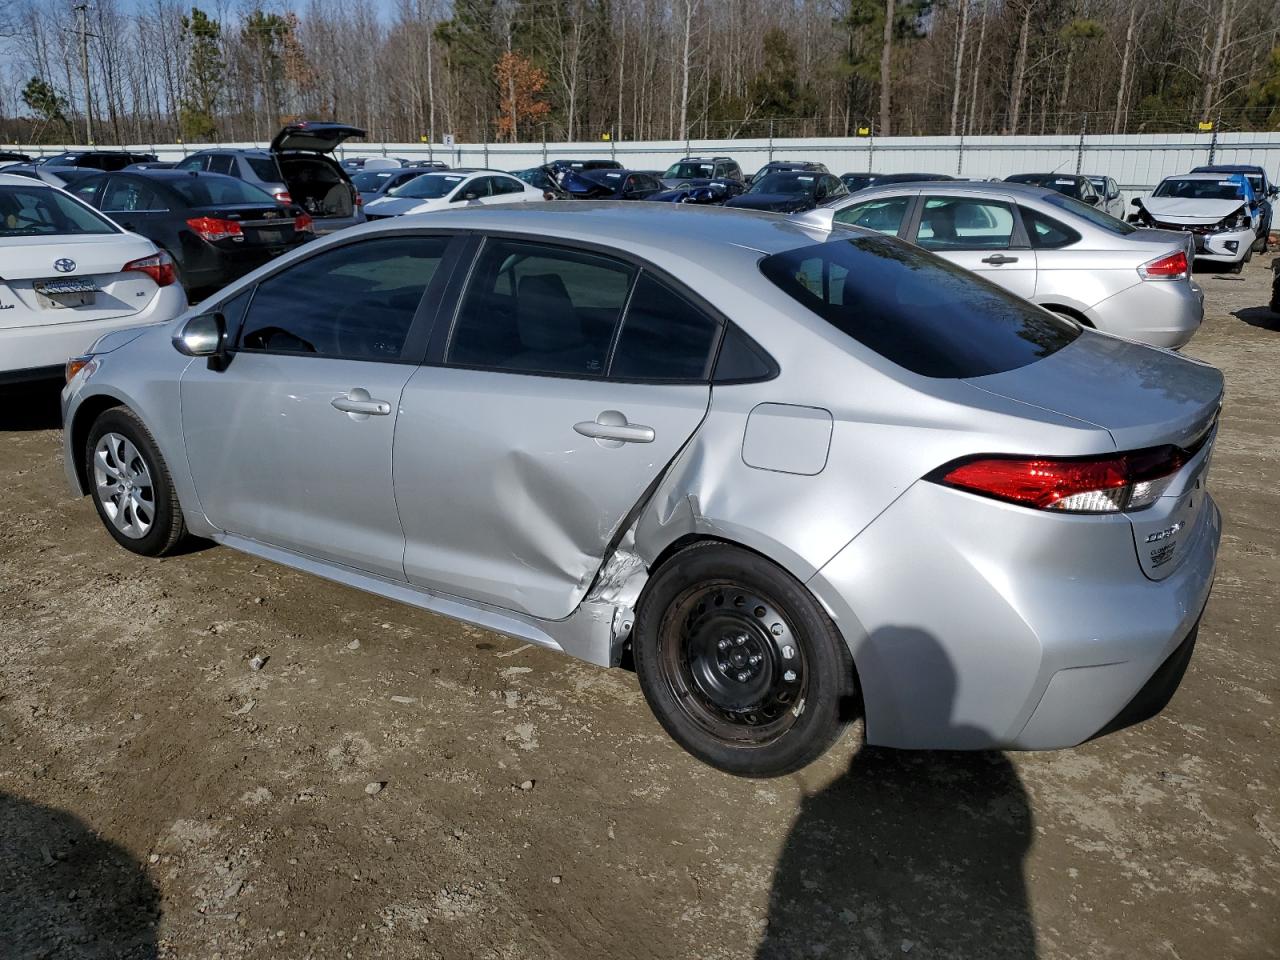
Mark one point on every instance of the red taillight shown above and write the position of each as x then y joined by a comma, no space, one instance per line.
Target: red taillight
214,228
303,223
1171,267
359,199
158,267
1126,481
282,196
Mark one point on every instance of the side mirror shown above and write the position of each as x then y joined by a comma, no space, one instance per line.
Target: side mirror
1135,202
1274,192
204,336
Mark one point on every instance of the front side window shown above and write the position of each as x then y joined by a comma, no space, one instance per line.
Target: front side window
916,310
126,195
39,211
964,223
193,163
532,308
883,215
664,337
356,301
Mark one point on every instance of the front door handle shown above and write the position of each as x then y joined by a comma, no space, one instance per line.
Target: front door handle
611,429
360,405
999,258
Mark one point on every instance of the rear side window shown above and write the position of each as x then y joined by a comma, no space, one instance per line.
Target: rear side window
1045,232
916,310
356,301
222,163
664,337
265,169
532,308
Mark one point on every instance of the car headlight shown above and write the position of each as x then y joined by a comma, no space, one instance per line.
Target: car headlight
1235,221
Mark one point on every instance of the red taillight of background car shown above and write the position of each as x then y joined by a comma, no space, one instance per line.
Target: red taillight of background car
1171,267
1126,481
303,223
159,267
282,196
215,228
359,199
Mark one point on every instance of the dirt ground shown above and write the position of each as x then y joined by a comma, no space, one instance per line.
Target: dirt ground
159,798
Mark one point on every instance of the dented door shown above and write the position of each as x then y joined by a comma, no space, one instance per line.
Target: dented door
511,486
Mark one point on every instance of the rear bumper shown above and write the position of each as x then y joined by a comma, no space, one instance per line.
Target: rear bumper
1163,313
52,344
977,625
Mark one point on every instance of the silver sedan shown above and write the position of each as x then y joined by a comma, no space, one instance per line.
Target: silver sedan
795,477
1065,255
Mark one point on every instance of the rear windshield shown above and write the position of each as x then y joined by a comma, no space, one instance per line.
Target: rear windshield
265,169
917,310
37,211
1095,216
1194,189
213,190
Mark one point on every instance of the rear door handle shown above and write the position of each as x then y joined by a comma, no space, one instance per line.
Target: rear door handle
611,429
360,405
999,258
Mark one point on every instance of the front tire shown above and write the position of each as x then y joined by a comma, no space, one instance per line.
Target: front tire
740,664
131,486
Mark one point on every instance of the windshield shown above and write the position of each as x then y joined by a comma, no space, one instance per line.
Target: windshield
1193,189
37,211
211,191
430,186
1092,214
690,170
795,184
371,181
917,310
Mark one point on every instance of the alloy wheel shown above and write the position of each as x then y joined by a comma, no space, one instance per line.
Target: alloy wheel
123,486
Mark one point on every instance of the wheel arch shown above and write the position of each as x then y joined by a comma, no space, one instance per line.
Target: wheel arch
1068,311
81,423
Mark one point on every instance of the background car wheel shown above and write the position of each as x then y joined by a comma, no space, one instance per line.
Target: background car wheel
740,664
130,485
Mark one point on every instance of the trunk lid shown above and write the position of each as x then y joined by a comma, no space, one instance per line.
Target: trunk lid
264,224
1143,396
88,261
314,136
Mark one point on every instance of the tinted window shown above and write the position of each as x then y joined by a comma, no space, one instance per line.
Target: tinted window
126,195
192,163
265,169
1046,233
540,309
961,223
883,216
918,311
37,211
355,301
664,337
506,185
740,359
222,163
217,190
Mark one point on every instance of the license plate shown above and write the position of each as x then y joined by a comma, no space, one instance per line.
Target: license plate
59,294
271,236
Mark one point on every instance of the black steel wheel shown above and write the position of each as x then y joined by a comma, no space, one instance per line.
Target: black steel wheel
739,663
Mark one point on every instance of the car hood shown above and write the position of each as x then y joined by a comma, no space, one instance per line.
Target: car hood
313,136
1143,396
1188,210
395,206
777,202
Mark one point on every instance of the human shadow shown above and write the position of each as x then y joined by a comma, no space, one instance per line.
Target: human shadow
66,893
1261,317
908,851
31,406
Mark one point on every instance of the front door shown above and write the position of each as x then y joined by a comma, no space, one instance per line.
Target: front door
291,444
569,383
980,234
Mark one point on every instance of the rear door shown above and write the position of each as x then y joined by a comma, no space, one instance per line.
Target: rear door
134,203
523,450
981,234
291,444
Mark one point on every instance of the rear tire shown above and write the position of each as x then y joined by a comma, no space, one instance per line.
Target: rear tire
131,486
740,664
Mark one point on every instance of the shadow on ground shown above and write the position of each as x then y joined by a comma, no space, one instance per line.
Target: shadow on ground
31,406
909,852
67,893
1262,317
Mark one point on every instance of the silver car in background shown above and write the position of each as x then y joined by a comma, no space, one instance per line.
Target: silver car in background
1065,255
795,481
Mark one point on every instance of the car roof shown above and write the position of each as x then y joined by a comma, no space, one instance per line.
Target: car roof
17,180
958,186
1229,168
1202,175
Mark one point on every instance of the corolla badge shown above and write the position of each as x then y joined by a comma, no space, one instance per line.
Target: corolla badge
64,265
1164,534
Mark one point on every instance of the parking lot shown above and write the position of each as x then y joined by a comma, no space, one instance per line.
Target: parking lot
392,784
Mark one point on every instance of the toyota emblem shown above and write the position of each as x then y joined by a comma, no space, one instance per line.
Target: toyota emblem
64,265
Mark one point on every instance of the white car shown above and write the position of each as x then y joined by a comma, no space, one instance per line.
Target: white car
1110,199
451,189
68,275
1213,207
